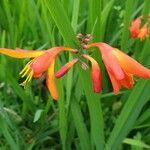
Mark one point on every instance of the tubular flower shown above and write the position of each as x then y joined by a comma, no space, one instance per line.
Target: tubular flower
120,67
64,69
135,27
143,33
95,74
137,31
41,62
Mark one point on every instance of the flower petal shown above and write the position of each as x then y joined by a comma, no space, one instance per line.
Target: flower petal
109,60
128,81
20,53
63,70
50,82
57,50
41,63
130,65
115,83
135,27
96,74
143,33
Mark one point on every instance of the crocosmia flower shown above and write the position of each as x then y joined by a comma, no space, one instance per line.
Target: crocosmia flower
140,31
144,32
135,27
42,61
120,67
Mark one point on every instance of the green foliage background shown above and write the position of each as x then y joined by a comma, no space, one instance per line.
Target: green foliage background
82,120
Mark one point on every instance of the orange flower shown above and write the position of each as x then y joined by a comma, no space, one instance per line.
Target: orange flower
143,33
137,31
120,67
95,74
135,27
64,69
43,61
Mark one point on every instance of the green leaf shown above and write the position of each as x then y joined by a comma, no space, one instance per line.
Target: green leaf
137,99
137,143
105,15
80,125
4,129
95,110
60,17
37,115
94,19
126,24
70,73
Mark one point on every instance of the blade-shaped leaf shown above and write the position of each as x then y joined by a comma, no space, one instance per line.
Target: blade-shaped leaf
137,99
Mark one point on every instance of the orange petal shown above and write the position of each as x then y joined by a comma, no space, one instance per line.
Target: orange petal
41,63
135,27
20,53
63,70
96,74
109,60
128,81
143,33
50,81
130,65
57,50
115,83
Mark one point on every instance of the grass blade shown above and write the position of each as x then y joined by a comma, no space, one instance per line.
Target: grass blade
126,22
137,99
58,14
137,143
94,105
80,126
70,74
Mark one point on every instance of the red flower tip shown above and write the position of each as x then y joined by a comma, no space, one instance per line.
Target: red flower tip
135,27
97,79
137,31
95,74
63,70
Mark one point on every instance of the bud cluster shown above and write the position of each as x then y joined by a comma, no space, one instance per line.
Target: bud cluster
84,39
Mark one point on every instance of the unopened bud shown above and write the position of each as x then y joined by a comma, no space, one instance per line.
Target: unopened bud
75,51
64,69
79,36
88,36
86,40
84,46
84,66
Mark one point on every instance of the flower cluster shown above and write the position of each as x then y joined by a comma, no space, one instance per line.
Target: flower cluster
42,61
120,67
138,30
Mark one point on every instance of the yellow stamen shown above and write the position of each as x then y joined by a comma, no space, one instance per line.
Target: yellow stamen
25,68
28,79
26,71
